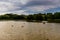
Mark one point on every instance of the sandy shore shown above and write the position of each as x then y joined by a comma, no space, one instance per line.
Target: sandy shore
18,30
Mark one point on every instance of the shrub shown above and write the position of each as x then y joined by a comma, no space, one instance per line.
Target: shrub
57,20
50,20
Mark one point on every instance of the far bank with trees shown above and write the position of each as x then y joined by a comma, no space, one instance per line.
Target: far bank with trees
39,17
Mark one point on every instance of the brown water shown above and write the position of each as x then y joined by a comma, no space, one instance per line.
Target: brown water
20,30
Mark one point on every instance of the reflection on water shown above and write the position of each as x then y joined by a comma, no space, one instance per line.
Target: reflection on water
18,30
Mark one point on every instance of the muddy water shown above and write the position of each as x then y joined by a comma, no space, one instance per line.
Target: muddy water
19,30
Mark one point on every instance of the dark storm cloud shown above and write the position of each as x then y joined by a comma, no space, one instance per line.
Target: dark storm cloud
38,3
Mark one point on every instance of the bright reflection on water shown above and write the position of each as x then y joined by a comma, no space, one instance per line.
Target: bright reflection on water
20,30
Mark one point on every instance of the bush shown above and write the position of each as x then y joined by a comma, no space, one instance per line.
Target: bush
50,20
57,20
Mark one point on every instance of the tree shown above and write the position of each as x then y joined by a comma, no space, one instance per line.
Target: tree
57,15
49,16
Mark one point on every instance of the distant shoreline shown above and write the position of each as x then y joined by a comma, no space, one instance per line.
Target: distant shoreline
31,21
49,17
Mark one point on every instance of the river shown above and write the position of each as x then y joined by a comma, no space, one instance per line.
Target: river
21,30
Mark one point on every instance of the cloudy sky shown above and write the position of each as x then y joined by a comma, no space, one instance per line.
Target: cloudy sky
29,6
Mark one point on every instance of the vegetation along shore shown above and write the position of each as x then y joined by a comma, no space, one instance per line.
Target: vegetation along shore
39,17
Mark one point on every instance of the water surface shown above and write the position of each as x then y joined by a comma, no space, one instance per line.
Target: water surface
21,30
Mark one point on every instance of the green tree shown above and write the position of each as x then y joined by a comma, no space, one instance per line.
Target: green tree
57,15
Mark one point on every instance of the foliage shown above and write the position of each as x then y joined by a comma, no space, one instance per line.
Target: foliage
57,20
50,17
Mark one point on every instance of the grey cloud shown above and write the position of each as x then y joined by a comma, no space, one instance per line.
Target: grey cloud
39,3
31,3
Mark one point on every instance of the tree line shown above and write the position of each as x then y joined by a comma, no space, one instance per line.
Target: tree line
50,17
